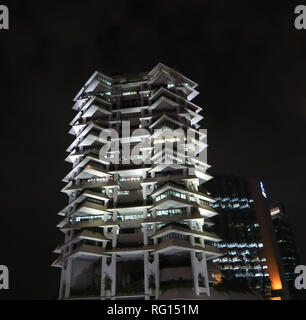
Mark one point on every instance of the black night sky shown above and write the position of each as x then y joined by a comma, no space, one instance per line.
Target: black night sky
246,56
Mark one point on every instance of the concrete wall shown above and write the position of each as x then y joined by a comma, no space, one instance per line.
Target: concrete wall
129,272
184,273
84,274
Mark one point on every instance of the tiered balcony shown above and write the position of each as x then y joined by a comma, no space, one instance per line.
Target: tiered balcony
83,235
83,163
206,210
194,215
130,206
84,251
188,91
88,136
182,191
99,222
91,183
160,178
175,97
97,105
86,194
170,200
163,103
90,206
170,74
185,231
92,169
130,249
173,246
96,83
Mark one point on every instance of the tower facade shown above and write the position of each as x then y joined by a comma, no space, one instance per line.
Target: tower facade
135,224
243,265
289,257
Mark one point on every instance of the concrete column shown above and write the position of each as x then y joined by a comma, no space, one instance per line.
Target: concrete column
145,213
105,231
74,207
144,191
154,213
205,273
185,171
187,184
188,210
154,226
113,273
192,241
197,200
102,286
115,194
145,234
201,224
195,272
69,237
68,278
187,197
110,272
62,282
156,263
114,239
106,203
146,272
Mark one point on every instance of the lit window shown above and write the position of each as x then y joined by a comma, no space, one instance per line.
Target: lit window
128,93
123,193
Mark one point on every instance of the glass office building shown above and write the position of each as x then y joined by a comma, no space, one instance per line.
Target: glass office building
243,266
289,256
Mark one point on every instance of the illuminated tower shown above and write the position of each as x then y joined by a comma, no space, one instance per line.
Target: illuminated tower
136,228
